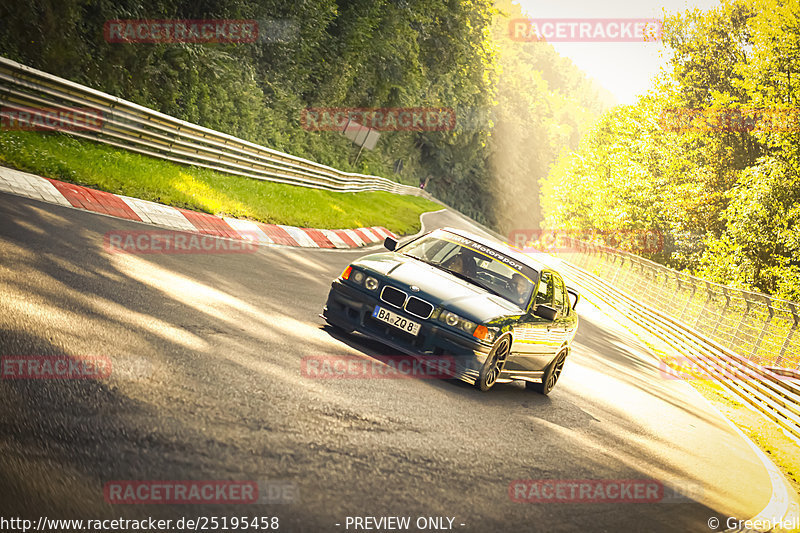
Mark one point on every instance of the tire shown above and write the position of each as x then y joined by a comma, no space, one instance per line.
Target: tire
494,363
551,375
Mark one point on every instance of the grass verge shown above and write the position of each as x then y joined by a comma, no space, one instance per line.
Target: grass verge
109,169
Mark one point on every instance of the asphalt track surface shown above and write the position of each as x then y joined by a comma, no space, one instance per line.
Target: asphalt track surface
206,385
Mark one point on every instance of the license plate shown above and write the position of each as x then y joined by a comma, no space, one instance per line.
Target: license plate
384,315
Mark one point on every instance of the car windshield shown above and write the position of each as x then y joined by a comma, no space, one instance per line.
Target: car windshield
481,266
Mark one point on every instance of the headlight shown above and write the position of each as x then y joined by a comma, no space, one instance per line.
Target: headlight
371,283
360,278
453,320
450,318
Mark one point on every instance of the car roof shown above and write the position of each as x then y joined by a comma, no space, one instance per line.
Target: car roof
501,247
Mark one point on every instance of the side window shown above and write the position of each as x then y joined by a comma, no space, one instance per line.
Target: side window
544,295
560,294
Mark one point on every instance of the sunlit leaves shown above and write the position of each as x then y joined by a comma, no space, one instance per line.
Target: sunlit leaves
728,197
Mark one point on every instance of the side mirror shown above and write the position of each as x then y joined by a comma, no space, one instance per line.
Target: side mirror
574,297
390,244
546,312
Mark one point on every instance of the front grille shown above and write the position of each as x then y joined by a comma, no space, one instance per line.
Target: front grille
393,296
418,307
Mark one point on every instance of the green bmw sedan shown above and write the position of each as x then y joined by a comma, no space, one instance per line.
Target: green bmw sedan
501,315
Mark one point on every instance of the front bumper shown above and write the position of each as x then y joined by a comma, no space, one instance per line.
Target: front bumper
351,309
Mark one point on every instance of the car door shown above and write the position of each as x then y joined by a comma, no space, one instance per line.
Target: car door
533,344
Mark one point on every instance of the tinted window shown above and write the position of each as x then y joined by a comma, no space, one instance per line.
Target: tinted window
475,264
544,294
560,293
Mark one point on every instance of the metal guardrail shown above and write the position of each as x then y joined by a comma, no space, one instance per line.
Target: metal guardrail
775,392
136,128
761,328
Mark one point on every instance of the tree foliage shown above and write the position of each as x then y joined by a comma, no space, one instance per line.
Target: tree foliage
726,196
517,104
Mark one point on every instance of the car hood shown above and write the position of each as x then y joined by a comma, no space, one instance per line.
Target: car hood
439,287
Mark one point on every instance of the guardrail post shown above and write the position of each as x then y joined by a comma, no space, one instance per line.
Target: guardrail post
655,293
653,289
678,288
661,288
688,300
768,303
619,268
789,335
705,306
741,322
597,258
722,313
620,272
601,259
630,277
645,278
627,274
582,254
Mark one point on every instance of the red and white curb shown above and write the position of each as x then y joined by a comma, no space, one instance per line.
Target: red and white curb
69,195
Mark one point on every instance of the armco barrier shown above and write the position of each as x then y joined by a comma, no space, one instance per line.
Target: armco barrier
775,392
754,325
136,128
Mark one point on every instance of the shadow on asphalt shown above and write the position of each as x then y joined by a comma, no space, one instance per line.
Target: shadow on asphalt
221,396
376,350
